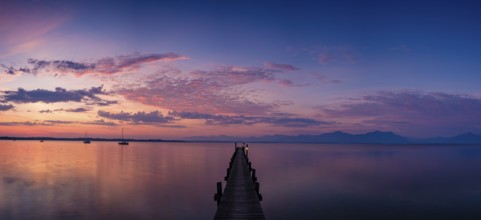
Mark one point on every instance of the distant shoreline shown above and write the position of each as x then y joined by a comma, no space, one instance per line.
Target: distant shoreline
219,141
338,137
81,139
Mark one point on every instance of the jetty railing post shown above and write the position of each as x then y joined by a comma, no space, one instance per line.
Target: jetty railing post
218,195
254,178
257,191
219,188
227,175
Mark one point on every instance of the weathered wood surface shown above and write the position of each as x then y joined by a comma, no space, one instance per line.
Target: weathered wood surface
240,199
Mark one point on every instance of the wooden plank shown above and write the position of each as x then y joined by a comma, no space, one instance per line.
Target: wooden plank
240,199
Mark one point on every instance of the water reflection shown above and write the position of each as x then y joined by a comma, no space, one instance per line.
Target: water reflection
69,180
66,180
370,182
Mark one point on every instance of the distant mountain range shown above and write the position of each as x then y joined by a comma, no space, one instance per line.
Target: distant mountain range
375,137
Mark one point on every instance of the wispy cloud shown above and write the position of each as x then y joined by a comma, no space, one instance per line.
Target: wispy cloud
5,107
66,110
100,122
89,96
138,117
236,75
287,67
212,119
56,122
77,110
108,65
15,123
46,111
36,123
14,71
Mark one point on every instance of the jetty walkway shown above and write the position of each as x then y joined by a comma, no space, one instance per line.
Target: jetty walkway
241,197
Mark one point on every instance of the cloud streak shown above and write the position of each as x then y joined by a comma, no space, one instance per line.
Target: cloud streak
138,117
66,110
89,96
56,122
14,71
108,65
287,67
6,107
212,119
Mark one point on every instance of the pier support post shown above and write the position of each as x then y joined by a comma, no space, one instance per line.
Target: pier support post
227,175
257,191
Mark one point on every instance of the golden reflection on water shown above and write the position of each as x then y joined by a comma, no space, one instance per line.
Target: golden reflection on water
58,180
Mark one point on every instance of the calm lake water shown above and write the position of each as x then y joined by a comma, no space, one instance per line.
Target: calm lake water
70,180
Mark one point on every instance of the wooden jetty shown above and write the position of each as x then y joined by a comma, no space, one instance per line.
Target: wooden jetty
241,197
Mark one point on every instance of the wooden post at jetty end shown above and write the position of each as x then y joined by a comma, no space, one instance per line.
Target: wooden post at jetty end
241,197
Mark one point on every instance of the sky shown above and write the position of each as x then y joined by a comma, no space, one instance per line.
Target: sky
239,68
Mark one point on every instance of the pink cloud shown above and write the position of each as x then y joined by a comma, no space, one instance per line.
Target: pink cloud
219,90
198,95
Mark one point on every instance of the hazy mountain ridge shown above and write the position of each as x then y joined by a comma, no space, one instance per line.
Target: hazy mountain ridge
375,137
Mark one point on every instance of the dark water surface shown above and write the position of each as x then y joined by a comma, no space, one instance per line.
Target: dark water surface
70,180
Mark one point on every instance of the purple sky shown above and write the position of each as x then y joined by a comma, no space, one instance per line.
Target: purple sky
174,70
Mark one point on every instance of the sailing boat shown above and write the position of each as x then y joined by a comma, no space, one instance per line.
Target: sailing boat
86,140
123,141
